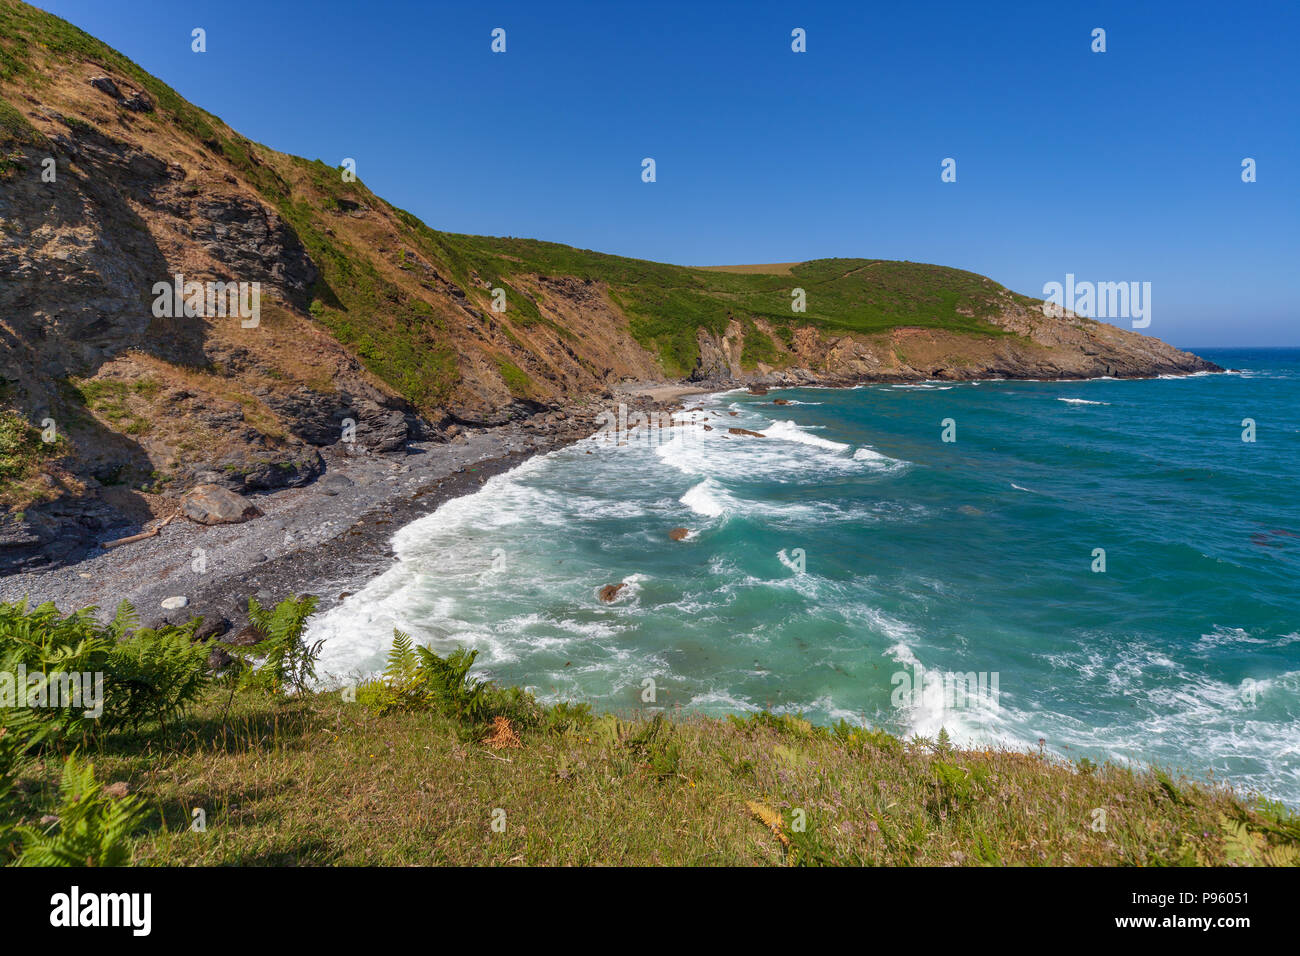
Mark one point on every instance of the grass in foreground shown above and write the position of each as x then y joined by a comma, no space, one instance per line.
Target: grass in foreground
426,765
316,780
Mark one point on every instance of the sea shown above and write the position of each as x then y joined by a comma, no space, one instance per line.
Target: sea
1106,569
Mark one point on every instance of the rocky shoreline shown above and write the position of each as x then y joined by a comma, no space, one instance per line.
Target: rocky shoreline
328,536
325,538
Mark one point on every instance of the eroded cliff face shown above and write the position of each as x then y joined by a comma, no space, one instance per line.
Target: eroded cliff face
140,394
173,399
1036,346
148,405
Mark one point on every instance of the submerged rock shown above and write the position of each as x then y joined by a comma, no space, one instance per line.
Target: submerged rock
679,534
610,591
745,431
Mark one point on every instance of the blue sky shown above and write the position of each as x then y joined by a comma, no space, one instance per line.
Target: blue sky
1115,166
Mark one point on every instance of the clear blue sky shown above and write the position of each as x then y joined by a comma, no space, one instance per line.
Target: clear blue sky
1119,166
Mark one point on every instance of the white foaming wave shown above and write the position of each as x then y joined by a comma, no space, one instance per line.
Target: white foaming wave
982,721
807,585
634,582
878,461
716,454
1221,723
710,499
523,623
900,633
1249,730
1225,636
720,700
979,721
358,633
789,431
940,703
707,499
502,501
704,454
1080,401
825,705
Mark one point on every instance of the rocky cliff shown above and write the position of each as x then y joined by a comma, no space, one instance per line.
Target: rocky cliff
372,328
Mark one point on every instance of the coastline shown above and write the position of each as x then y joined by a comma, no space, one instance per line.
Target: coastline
329,537
326,538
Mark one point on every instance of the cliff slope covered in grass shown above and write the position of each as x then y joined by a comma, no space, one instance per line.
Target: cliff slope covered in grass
370,315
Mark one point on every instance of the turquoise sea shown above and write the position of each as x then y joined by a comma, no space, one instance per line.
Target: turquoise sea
852,554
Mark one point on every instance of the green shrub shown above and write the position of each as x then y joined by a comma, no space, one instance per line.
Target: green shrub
146,673
20,733
656,747
787,725
861,739
565,717
282,660
92,828
155,676
515,378
417,679
43,642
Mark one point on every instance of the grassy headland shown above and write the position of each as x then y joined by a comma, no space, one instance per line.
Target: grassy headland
383,303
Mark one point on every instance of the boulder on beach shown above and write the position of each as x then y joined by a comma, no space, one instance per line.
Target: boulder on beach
758,390
610,591
679,534
212,504
333,482
745,431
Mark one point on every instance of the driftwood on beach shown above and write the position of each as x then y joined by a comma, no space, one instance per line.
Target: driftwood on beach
142,535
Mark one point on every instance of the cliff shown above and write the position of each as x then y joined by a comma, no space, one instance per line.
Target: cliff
112,400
